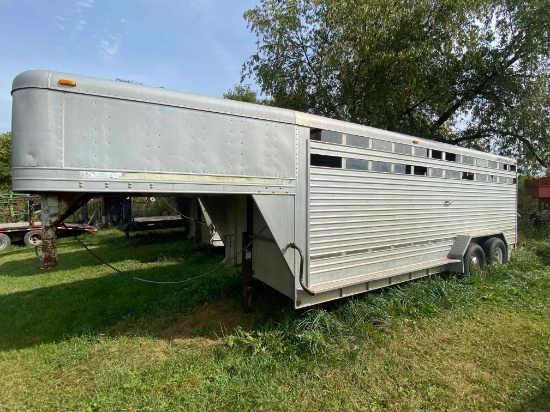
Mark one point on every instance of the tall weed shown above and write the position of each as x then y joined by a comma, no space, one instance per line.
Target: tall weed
331,327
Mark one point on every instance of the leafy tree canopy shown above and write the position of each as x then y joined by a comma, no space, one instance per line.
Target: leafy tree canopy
242,93
470,72
5,162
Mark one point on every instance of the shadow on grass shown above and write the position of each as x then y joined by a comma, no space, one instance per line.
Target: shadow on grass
538,402
72,255
543,253
59,312
82,303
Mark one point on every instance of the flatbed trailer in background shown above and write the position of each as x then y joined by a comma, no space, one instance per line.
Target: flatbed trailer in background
200,227
332,208
31,234
138,224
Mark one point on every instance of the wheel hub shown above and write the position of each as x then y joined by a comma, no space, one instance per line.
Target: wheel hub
475,261
498,256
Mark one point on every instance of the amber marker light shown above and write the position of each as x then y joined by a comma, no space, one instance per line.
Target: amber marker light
66,82
416,141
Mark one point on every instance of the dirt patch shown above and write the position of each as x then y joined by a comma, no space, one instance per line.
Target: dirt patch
210,323
207,324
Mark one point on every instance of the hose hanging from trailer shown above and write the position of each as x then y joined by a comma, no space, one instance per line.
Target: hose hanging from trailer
182,215
302,284
222,263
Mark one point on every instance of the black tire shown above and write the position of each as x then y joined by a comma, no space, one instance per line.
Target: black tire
474,258
495,251
5,242
33,238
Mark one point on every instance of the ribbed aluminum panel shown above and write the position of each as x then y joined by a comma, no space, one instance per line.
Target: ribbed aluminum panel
363,222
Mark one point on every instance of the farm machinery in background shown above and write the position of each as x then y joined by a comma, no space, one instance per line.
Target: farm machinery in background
20,222
540,190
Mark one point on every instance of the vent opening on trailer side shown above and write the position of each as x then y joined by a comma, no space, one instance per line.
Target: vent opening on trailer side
326,161
315,134
420,170
451,157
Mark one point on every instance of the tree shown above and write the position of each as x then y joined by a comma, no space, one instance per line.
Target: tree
5,162
469,72
242,93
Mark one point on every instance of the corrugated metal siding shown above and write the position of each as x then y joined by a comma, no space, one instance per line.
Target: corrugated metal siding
363,222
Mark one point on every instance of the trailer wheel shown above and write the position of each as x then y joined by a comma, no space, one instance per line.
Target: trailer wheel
474,259
5,242
496,251
33,238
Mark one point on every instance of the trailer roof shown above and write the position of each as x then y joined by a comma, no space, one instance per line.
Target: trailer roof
157,95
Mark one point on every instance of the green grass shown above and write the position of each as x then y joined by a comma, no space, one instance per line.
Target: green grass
81,337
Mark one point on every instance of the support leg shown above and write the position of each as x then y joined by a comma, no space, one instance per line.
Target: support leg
55,208
197,226
247,255
198,234
50,214
246,269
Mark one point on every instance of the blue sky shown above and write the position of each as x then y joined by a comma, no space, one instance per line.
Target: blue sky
196,46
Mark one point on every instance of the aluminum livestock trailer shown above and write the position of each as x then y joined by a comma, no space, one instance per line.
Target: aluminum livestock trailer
334,208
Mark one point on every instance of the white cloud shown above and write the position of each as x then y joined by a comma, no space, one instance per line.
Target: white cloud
57,21
85,3
80,24
76,17
202,5
110,42
109,46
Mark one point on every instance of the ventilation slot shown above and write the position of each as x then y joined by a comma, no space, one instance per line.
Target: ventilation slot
326,161
420,170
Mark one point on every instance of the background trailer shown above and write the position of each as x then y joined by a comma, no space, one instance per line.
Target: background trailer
333,208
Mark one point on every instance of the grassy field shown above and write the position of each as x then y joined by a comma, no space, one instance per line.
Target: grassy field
83,338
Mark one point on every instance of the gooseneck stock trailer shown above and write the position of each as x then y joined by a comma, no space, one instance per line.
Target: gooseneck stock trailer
334,208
